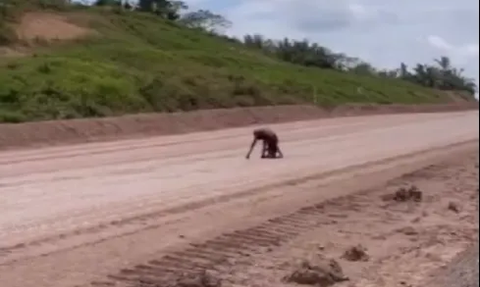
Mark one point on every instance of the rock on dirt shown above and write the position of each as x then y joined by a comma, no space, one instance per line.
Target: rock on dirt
205,279
356,253
320,271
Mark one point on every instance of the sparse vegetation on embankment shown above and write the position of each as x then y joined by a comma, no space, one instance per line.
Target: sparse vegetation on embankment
65,61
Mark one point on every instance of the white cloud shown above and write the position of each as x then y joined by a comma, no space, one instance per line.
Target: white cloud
464,51
439,42
359,12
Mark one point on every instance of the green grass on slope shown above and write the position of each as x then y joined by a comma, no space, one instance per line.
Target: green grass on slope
139,63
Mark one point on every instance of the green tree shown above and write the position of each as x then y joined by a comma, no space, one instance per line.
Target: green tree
442,75
205,20
164,8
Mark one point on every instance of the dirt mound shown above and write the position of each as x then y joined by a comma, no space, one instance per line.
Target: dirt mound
48,26
356,253
319,271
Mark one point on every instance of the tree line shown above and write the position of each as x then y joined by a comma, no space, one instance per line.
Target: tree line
440,74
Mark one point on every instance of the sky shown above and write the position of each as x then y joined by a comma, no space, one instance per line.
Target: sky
381,32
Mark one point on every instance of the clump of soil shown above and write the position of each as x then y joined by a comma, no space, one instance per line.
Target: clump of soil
403,194
356,253
454,206
321,272
205,279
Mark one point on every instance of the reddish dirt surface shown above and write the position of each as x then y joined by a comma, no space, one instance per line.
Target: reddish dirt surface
463,271
405,241
48,26
149,210
136,126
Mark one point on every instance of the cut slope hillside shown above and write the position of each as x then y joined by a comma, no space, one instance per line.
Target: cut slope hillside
131,62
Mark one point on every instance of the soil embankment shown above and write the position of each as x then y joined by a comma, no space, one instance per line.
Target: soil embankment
46,133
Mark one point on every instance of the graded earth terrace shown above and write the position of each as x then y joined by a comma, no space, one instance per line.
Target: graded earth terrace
84,215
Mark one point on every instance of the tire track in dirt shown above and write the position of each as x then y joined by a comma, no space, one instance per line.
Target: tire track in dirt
198,257
55,213
6,251
228,249
404,240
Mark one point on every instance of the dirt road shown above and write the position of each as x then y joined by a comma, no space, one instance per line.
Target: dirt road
72,215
